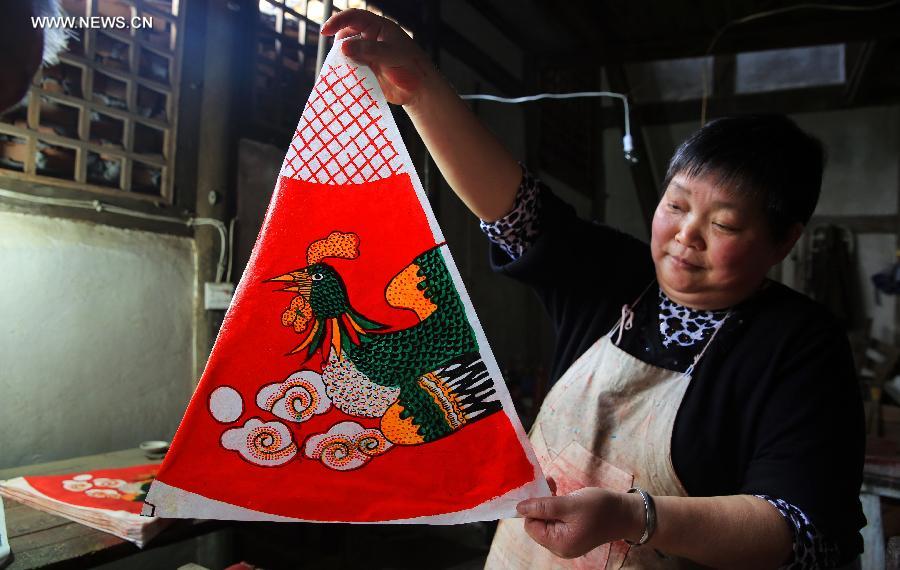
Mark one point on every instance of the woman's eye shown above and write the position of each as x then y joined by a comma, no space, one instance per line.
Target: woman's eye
674,206
724,227
317,276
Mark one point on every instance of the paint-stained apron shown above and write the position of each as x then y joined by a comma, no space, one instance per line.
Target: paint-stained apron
606,423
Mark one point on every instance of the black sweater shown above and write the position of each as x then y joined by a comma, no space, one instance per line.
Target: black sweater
774,407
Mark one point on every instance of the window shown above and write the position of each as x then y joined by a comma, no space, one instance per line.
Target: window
103,119
794,68
287,38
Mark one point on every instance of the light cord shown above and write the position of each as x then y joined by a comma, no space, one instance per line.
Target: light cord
627,141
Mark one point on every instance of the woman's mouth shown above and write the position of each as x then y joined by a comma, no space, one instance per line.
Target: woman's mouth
682,263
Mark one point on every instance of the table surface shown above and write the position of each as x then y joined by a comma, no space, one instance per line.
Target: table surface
42,540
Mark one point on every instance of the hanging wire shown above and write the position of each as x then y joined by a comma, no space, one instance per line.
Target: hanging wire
627,142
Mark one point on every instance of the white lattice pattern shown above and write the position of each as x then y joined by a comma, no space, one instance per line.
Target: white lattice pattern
341,138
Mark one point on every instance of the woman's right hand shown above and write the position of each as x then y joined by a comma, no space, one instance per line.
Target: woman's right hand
402,69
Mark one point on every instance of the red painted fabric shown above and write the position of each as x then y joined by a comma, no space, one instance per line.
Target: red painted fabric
350,380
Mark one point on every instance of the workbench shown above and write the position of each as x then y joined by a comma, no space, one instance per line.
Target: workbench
42,540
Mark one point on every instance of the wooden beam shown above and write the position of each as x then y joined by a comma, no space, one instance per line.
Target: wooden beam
859,73
580,18
641,173
471,55
599,193
723,75
429,36
407,14
873,72
896,217
806,100
777,33
506,28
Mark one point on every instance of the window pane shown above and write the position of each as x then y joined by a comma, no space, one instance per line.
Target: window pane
148,140
62,78
268,15
315,11
154,66
104,170
146,179
106,130
109,91
55,161
151,104
13,151
59,118
774,70
111,52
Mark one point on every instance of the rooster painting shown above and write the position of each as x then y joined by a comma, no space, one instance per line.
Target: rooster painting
431,371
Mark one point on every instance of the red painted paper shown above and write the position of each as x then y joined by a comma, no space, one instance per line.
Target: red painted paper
348,381
120,489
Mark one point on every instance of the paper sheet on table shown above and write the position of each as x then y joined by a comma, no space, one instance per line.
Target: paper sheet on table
109,500
351,380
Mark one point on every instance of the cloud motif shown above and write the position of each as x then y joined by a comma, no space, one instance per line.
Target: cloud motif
99,488
109,483
346,446
300,397
225,404
76,486
262,443
103,494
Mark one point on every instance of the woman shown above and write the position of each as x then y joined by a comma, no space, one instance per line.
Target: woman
703,413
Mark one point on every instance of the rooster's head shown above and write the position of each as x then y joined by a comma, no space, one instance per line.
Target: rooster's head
320,307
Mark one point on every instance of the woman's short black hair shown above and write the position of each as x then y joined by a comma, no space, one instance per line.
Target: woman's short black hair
767,156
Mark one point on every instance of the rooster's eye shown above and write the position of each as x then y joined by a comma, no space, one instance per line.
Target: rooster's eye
317,276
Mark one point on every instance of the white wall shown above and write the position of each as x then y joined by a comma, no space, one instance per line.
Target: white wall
863,151
862,178
96,337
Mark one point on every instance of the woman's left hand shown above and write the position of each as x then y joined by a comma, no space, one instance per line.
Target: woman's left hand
574,524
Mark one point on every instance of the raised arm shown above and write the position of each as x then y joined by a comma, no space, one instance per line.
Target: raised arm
478,168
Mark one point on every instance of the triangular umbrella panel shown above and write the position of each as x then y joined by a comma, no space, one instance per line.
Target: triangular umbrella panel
351,380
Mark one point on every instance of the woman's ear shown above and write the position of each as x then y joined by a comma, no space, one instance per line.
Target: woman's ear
784,247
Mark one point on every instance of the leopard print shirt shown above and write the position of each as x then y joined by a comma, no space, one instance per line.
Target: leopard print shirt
678,326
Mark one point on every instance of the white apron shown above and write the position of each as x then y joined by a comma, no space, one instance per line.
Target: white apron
606,423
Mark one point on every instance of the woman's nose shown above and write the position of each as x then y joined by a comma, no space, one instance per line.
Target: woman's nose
689,235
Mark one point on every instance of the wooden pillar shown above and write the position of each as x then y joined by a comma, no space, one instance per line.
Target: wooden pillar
645,184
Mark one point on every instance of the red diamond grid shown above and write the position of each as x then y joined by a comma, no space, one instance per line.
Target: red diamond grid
341,137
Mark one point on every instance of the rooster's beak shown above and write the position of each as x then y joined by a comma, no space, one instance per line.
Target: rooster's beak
285,277
299,278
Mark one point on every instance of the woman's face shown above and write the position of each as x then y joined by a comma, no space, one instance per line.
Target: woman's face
712,248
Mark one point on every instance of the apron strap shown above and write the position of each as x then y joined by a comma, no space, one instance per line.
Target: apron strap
690,369
626,320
